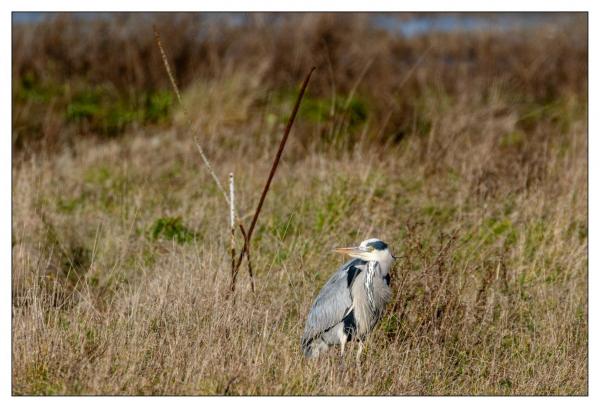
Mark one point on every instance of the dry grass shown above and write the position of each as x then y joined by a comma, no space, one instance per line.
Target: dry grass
68,84
121,259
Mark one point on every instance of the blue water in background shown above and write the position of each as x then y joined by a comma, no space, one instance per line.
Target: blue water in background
464,22
412,25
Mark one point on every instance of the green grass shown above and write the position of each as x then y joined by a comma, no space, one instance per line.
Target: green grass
172,228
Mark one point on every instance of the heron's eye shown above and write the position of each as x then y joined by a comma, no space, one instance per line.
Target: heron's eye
370,249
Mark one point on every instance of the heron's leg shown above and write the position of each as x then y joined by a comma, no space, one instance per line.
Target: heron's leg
360,349
343,341
358,353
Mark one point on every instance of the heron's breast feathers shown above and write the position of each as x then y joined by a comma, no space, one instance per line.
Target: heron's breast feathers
356,295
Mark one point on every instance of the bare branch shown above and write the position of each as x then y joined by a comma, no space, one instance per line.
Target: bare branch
273,169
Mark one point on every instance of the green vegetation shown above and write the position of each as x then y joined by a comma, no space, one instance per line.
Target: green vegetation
172,228
100,109
109,114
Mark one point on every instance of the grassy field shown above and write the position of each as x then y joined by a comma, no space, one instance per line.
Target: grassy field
467,153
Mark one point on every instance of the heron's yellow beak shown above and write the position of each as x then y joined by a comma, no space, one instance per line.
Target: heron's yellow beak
355,252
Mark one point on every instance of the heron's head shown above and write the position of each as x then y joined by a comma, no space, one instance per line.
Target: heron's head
372,249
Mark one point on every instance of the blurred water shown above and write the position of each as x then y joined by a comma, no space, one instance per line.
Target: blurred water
37,16
463,22
405,25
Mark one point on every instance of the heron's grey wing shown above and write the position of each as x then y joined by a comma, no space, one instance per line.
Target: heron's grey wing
333,301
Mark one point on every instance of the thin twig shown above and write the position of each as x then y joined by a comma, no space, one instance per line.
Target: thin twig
210,169
272,172
167,67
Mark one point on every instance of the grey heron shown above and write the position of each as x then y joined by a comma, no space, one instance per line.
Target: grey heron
352,301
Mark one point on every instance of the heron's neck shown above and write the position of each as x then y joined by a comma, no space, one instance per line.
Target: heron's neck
371,269
382,264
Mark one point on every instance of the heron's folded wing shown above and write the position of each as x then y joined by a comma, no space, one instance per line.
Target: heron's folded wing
333,301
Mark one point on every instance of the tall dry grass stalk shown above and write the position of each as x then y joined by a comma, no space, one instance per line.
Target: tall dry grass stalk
187,116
